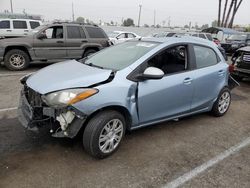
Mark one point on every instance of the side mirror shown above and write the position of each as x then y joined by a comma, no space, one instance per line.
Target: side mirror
41,36
151,73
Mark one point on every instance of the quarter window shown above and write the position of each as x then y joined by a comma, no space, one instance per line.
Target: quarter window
4,24
75,32
33,24
95,32
205,57
19,24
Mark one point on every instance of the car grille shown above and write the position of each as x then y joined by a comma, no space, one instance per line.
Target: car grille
246,57
33,97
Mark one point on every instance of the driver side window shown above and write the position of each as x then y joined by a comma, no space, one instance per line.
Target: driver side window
171,60
55,32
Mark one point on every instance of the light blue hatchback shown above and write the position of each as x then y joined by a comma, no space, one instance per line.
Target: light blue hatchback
125,87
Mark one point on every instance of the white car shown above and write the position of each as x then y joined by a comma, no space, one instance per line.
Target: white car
117,37
10,28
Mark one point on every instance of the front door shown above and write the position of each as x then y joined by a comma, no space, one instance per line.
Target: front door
53,46
170,96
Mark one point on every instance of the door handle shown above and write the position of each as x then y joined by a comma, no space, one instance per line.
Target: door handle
84,41
8,30
221,72
187,81
59,41
26,30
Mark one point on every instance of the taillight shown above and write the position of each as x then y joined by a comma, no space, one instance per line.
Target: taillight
231,68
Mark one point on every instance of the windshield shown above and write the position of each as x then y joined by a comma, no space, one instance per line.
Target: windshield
237,37
112,34
121,56
33,31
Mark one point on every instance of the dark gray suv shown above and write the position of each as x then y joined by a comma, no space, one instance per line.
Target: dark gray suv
55,41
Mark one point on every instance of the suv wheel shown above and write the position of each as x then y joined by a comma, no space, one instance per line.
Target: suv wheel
16,60
222,104
89,52
103,134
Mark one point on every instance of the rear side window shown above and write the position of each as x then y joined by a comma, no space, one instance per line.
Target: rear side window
75,32
33,24
209,37
4,24
95,32
19,24
205,56
202,36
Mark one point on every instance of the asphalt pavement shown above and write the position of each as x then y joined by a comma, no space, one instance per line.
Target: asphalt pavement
198,151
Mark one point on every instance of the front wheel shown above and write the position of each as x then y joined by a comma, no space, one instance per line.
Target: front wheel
16,60
103,134
222,104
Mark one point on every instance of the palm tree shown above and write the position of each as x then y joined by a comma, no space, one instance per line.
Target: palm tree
229,12
236,7
224,13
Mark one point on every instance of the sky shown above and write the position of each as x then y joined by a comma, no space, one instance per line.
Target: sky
178,12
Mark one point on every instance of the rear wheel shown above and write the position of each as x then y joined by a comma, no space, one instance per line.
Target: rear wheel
103,134
16,60
222,104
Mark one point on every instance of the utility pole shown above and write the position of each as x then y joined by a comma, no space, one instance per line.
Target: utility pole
11,6
139,19
154,17
73,16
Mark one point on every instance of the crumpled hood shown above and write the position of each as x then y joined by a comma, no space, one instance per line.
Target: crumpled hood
65,75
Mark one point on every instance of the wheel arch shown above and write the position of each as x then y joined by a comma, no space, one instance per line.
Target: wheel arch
23,48
121,109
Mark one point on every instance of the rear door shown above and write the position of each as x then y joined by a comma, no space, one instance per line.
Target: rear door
75,41
20,28
5,28
53,46
209,77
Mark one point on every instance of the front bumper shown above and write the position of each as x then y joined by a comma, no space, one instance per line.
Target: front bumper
33,117
241,72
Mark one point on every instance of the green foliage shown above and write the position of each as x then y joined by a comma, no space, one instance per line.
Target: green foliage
80,19
215,23
128,22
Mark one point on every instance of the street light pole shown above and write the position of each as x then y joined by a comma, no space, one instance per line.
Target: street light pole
139,19
73,16
11,6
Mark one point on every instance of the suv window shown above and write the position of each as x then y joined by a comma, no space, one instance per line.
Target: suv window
95,32
55,32
204,56
19,24
202,36
75,32
209,36
171,60
130,35
34,24
4,24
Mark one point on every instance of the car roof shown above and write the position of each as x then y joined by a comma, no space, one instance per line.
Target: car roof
184,39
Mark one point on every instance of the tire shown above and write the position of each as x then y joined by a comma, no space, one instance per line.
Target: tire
222,103
89,52
16,60
97,127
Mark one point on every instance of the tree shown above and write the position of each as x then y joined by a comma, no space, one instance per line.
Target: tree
146,25
224,13
80,19
205,26
186,26
128,22
236,7
214,23
219,13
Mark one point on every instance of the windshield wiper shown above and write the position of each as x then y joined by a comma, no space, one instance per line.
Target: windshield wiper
93,65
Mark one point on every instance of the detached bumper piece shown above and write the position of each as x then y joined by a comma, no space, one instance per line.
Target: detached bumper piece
32,114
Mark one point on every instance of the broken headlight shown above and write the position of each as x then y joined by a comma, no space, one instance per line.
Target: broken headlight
67,97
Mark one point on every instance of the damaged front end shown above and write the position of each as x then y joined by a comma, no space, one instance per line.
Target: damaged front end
33,112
